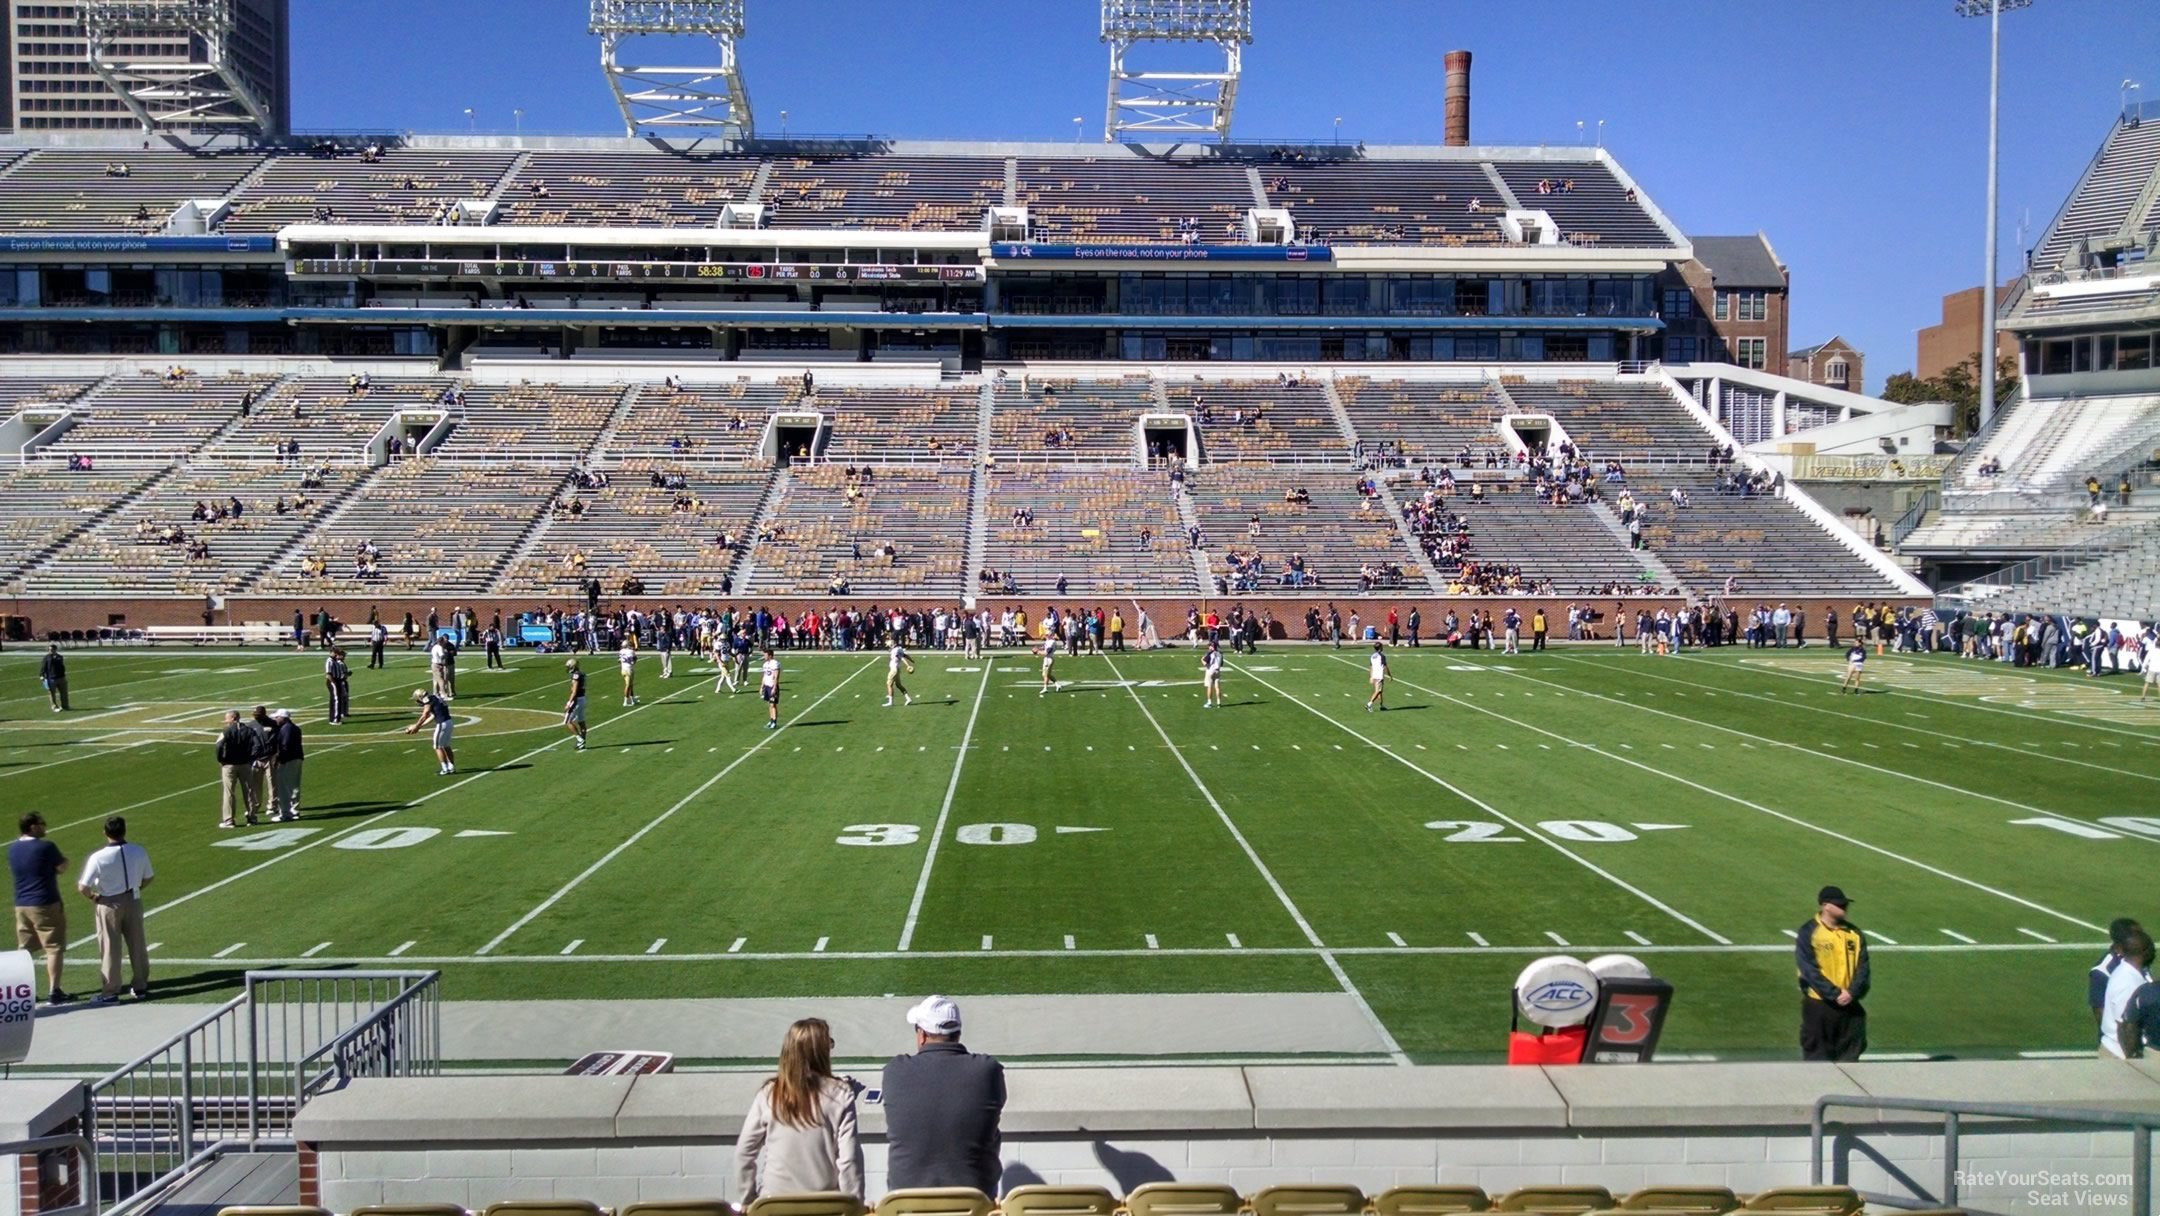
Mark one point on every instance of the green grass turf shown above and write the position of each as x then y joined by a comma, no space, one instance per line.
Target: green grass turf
1285,843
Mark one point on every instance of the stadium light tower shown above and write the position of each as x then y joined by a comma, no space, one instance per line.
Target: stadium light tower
1993,11
1198,102
709,99
201,88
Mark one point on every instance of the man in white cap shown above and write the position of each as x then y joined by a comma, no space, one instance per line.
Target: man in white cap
942,1105
285,766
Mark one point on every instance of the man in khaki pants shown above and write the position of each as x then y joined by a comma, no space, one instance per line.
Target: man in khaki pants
113,879
236,770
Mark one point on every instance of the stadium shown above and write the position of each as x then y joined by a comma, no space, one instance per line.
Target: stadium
830,533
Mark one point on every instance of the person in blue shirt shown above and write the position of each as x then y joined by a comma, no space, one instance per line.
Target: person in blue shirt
435,712
40,917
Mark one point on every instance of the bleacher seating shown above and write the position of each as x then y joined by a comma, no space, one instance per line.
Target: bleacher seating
18,393
899,423
440,526
327,418
1122,200
123,552
74,190
2124,585
2019,532
625,189
2046,442
2102,201
1597,211
402,186
1260,419
41,504
532,421
632,528
1562,545
1094,419
708,421
1337,535
920,513
147,413
1427,421
1358,202
1116,505
1763,543
919,193
1614,419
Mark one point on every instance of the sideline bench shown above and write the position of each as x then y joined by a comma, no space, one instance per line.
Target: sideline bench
268,633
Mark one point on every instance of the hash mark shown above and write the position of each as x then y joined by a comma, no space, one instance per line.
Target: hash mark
986,941
737,945
1887,941
315,949
821,944
1635,937
2038,937
1068,941
575,942
1235,944
1151,942
655,947
1397,939
1556,938
1477,939
232,949
402,949
1956,936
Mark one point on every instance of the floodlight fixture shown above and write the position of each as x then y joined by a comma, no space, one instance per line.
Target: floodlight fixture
1197,100
709,98
203,87
1993,11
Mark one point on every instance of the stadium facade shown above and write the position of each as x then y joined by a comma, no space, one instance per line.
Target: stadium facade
1008,327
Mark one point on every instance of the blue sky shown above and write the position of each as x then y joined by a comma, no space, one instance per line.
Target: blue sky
1853,132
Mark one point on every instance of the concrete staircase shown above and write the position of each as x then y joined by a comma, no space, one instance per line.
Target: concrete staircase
1650,561
773,494
509,175
38,557
528,539
1433,580
1343,425
1191,520
598,450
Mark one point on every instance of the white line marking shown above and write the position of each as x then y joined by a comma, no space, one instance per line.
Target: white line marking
153,947
2038,937
315,949
736,946
1387,1037
986,941
1397,939
1885,940
575,942
1792,819
655,947
1151,942
1481,942
819,948
1068,941
235,948
1235,944
1557,940
1635,937
937,834
402,949
91,755
663,816
1517,824
1954,935
1793,934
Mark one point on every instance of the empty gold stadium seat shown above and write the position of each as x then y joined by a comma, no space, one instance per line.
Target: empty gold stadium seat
1710,1199
812,1203
1308,1199
1430,1200
294,1209
1184,1199
410,1209
544,1207
1555,1200
935,1201
1058,1201
1814,1200
680,1207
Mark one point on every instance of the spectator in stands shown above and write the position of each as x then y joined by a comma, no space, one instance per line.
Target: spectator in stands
942,1106
799,1136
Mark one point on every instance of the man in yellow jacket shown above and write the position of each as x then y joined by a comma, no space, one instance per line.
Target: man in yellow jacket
1833,961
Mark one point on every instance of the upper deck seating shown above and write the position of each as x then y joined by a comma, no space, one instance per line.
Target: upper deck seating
1356,202
532,421
889,423
440,526
41,504
1070,419
1337,535
707,421
1425,421
1614,419
918,193
625,189
817,533
153,412
1143,201
2102,200
682,542
326,416
1260,419
402,186
128,552
65,190
1105,531
1585,199
18,393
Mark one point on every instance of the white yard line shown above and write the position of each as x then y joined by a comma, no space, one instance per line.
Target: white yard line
372,820
1335,968
937,834
99,754
1795,820
665,815
1496,813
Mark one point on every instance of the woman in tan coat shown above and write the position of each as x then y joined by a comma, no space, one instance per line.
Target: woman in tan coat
800,1133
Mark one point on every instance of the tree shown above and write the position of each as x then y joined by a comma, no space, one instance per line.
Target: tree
1960,386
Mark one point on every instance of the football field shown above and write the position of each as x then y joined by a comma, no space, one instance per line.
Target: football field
1116,837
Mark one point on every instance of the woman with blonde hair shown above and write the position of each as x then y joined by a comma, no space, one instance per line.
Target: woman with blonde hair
800,1133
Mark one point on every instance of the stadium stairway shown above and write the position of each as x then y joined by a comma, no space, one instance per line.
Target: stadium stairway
599,451
512,174
1647,557
978,541
1343,424
775,494
1190,517
38,556
1430,572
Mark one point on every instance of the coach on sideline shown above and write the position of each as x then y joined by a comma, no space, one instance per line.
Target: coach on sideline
113,878
1833,962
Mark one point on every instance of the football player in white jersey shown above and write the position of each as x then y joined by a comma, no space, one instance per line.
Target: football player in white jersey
1211,675
1049,661
627,659
1378,674
769,689
894,662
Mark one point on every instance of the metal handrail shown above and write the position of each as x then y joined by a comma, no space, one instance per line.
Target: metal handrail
2140,1127
1910,521
86,1177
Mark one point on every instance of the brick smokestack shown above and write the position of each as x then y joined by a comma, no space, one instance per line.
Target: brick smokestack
1458,98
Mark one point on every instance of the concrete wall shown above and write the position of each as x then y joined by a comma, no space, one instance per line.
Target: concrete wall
617,1140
